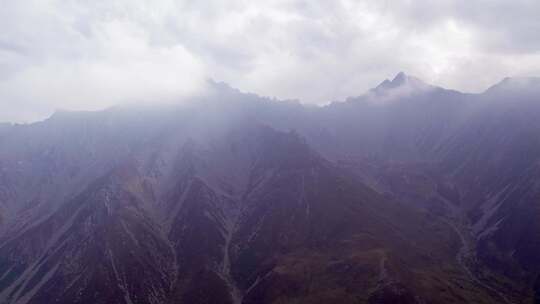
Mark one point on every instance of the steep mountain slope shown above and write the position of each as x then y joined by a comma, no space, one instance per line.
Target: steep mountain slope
494,161
224,219
408,194
481,175
402,119
93,249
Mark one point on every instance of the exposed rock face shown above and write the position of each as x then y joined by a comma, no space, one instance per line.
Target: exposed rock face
408,194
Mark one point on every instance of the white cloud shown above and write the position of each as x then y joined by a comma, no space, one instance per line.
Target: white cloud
79,54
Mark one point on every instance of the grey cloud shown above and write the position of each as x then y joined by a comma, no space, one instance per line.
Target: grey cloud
500,26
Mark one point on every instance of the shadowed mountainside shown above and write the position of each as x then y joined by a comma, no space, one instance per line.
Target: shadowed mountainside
408,194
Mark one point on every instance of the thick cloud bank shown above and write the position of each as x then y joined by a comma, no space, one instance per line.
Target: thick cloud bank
77,54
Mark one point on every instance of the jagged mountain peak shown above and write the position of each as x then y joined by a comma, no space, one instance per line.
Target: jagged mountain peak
402,85
401,79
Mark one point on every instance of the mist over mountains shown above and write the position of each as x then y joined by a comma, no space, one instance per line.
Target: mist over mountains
409,193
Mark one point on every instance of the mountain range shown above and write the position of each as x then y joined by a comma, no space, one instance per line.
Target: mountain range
409,193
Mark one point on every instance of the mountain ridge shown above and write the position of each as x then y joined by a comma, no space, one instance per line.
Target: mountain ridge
219,87
247,199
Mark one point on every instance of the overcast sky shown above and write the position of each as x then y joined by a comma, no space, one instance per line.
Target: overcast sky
90,54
